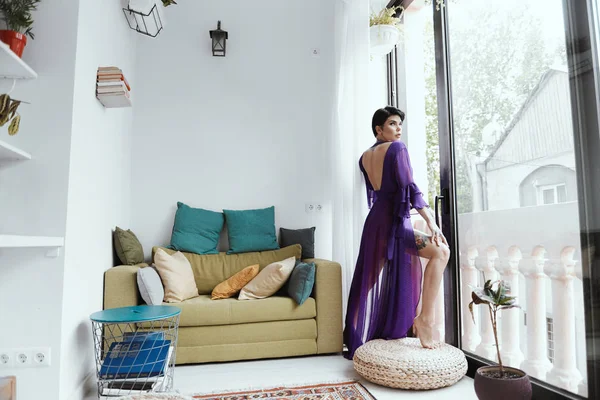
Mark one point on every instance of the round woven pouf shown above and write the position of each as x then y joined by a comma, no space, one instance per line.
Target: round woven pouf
405,364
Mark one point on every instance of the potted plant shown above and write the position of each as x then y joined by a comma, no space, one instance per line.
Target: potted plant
385,29
497,381
16,15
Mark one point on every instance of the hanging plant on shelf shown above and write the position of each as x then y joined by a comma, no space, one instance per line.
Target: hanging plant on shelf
8,112
16,15
167,3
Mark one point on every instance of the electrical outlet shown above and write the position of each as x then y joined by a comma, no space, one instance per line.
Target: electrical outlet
22,357
313,207
6,358
40,356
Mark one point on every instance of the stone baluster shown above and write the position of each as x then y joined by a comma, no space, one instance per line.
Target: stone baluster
536,361
581,340
564,372
511,319
487,347
470,333
583,388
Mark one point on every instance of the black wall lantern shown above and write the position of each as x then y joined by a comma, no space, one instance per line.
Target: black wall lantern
219,41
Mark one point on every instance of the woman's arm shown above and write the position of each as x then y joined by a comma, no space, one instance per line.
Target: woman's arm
436,232
405,179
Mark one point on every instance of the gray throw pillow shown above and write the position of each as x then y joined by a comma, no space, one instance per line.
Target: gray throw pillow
303,237
150,286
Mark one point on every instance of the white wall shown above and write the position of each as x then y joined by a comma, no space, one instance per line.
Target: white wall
244,131
33,197
99,180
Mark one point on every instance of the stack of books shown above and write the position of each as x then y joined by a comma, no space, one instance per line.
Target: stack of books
138,363
112,89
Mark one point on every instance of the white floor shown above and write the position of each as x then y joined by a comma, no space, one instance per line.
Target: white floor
208,378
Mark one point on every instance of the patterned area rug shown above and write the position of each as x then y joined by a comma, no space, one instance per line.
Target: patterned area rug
326,391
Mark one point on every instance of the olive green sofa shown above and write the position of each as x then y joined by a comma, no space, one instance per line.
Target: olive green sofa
232,329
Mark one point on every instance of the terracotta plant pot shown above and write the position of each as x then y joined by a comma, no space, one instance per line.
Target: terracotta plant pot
15,40
491,388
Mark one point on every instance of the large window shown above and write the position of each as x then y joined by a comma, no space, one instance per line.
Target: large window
515,171
516,205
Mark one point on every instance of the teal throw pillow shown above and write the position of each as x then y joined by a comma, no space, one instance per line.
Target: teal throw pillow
251,230
301,282
196,230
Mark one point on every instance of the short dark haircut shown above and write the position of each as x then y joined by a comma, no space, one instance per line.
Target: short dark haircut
383,114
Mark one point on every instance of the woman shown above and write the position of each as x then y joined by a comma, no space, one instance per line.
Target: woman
386,287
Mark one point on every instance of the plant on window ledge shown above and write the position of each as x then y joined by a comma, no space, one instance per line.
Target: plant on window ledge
385,29
16,15
515,383
387,16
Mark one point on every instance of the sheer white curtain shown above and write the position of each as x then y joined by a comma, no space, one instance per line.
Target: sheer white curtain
351,133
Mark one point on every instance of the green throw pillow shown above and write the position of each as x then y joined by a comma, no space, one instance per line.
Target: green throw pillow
301,282
128,247
251,230
196,230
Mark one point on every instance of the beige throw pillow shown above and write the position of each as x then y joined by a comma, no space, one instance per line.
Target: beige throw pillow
269,280
177,276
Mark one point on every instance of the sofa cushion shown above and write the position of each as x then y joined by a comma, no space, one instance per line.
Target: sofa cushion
301,282
202,311
176,275
196,230
269,280
128,247
210,270
234,284
251,230
303,237
150,285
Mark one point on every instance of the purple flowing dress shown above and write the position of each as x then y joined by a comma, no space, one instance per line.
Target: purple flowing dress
386,286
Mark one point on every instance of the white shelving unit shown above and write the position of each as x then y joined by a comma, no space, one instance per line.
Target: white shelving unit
12,153
52,243
12,67
13,241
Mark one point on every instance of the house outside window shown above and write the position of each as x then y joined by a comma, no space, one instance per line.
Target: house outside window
552,194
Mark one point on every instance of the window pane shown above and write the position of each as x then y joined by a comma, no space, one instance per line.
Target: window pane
561,193
548,195
513,149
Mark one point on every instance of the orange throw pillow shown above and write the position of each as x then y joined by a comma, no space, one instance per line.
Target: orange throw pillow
234,284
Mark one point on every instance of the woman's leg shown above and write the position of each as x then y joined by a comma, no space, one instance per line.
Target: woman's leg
438,256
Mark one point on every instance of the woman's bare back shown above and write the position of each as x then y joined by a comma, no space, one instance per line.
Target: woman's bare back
372,161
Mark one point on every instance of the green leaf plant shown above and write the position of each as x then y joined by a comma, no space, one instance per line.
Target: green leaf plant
496,295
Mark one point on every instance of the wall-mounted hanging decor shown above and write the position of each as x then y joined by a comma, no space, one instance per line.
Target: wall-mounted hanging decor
144,17
112,88
219,41
385,30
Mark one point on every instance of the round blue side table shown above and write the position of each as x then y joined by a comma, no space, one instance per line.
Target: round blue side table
135,349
